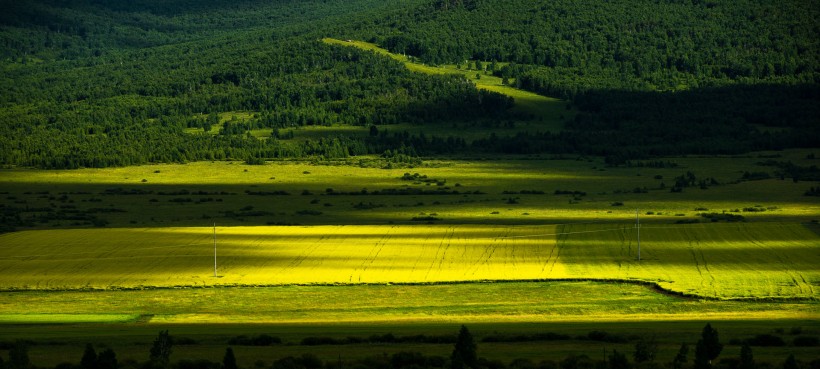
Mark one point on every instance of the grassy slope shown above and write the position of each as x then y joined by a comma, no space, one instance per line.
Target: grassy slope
548,110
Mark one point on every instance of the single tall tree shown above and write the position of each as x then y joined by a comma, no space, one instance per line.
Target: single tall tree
160,355
18,356
702,356
107,360
618,361
229,361
89,360
709,346
791,363
464,352
645,350
681,357
747,361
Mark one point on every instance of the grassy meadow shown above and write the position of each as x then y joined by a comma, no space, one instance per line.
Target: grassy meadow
209,317
352,192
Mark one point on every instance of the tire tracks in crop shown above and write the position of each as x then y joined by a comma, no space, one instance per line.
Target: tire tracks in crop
489,251
374,252
299,259
695,259
707,279
562,233
441,249
784,261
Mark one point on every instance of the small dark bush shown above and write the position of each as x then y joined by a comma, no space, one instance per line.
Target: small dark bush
198,364
308,212
806,341
425,219
260,340
768,340
716,217
317,341
182,341
602,336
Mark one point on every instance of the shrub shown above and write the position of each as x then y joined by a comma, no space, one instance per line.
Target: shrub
308,212
716,217
428,218
602,336
806,341
768,340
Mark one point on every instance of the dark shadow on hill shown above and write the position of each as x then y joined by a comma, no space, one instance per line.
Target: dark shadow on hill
624,125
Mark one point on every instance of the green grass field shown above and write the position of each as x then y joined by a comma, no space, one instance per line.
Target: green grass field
219,191
211,316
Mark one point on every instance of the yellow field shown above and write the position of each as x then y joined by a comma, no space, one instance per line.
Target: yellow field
716,260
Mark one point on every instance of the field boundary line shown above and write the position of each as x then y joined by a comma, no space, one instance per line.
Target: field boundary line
654,285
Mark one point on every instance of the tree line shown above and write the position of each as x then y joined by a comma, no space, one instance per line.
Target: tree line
464,355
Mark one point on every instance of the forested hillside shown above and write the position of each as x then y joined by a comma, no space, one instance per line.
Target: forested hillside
90,83
570,46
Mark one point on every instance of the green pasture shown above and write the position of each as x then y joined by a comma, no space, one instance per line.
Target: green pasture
453,192
471,303
211,316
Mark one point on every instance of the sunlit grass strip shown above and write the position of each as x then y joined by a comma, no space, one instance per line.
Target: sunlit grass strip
473,302
40,318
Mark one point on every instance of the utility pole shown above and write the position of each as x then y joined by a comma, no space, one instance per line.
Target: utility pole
638,230
214,250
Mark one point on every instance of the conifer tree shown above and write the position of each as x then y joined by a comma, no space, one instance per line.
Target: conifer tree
464,353
89,360
229,361
747,361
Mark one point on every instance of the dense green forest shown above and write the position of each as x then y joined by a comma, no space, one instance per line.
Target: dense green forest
92,83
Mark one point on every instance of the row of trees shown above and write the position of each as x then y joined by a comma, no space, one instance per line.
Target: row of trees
464,355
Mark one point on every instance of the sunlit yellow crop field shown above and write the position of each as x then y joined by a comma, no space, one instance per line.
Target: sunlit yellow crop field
713,260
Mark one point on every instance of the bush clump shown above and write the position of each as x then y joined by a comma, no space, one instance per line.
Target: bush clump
260,340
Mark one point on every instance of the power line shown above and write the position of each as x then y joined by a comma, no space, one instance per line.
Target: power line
638,230
215,250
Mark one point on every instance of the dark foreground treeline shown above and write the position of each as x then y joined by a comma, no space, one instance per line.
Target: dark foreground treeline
465,354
